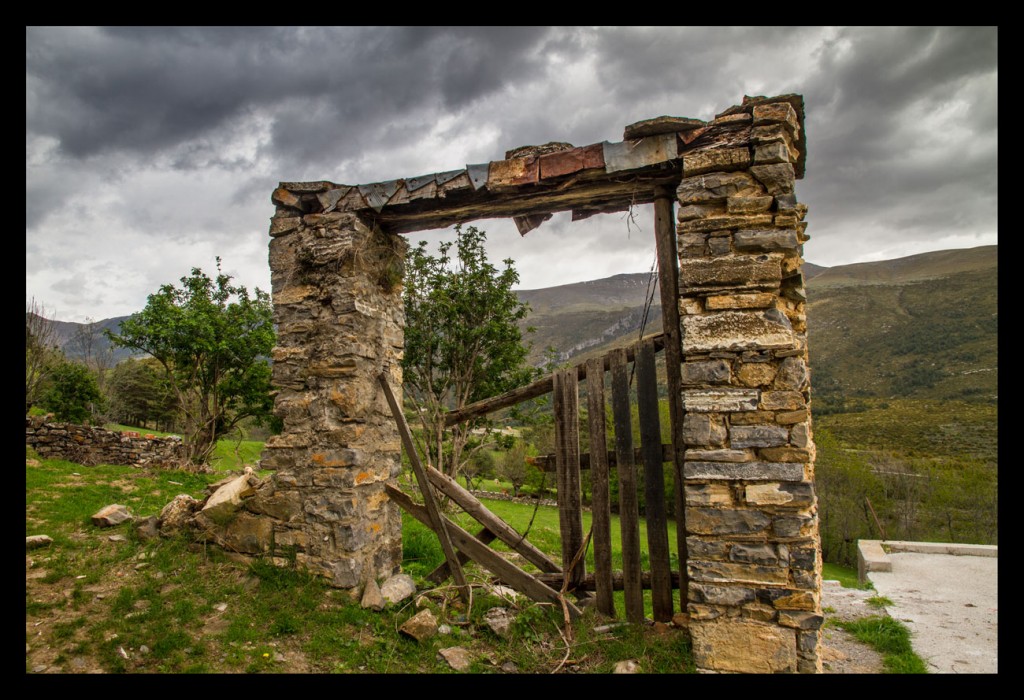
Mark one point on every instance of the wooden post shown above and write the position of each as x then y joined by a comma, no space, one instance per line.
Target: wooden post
600,496
654,483
437,522
626,469
567,449
668,281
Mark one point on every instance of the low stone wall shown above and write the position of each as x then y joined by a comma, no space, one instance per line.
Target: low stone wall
90,445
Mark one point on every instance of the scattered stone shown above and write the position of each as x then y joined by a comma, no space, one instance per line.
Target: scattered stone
220,607
505,592
117,538
457,657
681,620
111,515
444,629
78,662
37,541
398,588
227,500
141,604
143,649
38,668
629,666
279,657
499,620
509,667
122,652
32,463
372,597
422,625
75,474
177,514
148,528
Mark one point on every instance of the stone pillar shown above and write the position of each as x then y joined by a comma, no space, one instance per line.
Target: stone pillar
751,511
336,284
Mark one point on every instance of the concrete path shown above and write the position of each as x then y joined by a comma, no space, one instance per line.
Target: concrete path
950,604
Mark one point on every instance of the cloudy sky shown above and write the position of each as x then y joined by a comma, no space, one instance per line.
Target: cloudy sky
149,151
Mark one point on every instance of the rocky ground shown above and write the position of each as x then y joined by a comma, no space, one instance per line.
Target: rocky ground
840,651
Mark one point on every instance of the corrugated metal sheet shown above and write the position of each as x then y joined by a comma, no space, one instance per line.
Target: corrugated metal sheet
329,199
444,177
414,183
377,194
478,174
631,155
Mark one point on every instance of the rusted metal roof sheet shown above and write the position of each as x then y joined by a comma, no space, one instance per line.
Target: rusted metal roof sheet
377,194
444,177
414,183
630,155
478,174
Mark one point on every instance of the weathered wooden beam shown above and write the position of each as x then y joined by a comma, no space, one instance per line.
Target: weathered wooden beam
546,463
506,571
668,281
589,582
600,495
629,518
505,532
436,521
654,483
530,391
567,444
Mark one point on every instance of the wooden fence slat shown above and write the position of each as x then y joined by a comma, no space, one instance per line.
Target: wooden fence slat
628,509
654,483
600,496
506,571
442,572
436,521
504,532
567,441
524,393
668,280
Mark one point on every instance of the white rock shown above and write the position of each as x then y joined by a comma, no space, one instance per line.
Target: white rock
629,666
398,588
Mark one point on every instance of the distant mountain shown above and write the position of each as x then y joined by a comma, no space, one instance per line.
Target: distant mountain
922,326
72,338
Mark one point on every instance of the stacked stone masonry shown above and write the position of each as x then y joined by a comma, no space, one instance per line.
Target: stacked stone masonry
754,564
91,445
751,514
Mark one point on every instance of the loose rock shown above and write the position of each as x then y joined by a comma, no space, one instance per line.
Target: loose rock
398,588
147,528
372,597
111,515
629,666
499,620
176,515
457,657
422,625
37,541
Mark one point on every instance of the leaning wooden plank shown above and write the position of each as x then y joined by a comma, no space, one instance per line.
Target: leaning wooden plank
617,580
436,522
546,463
654,483
441,572
668,281
486,557
502,530
600,496
628,509
567,442
530,391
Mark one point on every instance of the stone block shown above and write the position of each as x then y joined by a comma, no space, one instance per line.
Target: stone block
786,454
791,526
715,160
724,223
792,374
738,270
800,619
800,435
735,331
708,495
716,521
285,224
246,533
754,554
741,646
720,245
794,493
699,211
692,244
721,595
777,178
699,548
715,571
766,240
797,600
749,300
808,641
747,471
778,113
791,417
777,152
720,400
748,205
706,372
717,186
741,436
782,400
755,374
719,455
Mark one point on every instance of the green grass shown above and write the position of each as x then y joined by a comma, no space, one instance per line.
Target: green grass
891,639
844,574
879,601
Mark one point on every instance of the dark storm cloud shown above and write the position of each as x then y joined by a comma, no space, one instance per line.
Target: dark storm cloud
143,90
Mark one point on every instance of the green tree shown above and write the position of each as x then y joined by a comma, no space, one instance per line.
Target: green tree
42,355
73,395
462,341
213,340
139,393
